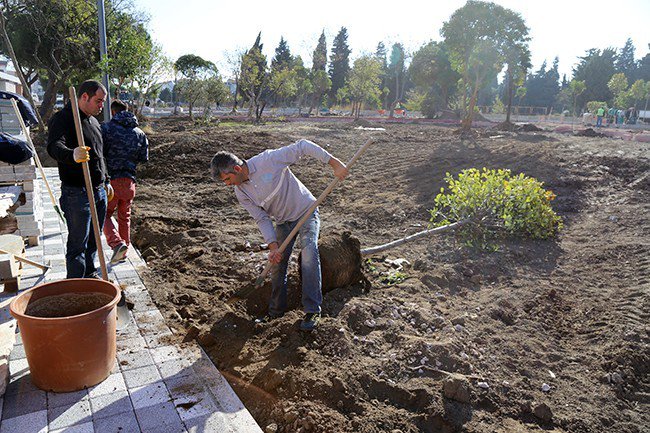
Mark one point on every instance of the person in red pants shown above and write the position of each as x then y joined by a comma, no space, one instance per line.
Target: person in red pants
125,145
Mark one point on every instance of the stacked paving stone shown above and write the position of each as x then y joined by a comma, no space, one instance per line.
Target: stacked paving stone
29,216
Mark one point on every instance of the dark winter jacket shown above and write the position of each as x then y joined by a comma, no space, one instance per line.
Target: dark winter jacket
125,145
61,141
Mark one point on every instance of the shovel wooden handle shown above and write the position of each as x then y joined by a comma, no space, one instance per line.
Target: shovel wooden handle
260,280
89,185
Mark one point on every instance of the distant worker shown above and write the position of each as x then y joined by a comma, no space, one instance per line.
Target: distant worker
266,188
125,145
62,145
599,116
611,116
620,118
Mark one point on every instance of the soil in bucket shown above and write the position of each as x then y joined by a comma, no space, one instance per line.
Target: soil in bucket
67,304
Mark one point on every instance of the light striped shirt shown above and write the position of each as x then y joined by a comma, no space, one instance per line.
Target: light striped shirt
273,191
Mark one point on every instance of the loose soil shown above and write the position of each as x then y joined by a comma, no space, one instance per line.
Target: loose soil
548,335
68,304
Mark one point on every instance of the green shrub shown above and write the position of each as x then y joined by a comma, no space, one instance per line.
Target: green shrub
494,199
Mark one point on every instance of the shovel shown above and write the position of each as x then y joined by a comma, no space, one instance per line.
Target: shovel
122,310
247,291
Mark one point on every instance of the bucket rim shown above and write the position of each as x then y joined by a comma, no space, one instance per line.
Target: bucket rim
107,307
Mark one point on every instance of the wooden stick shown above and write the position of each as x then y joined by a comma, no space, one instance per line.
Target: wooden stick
36,158
89,185
379,248
27,261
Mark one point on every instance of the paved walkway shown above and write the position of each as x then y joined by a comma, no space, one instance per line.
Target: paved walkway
154,386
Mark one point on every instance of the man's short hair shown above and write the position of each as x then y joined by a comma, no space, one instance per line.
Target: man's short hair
118,105
224,163
90,87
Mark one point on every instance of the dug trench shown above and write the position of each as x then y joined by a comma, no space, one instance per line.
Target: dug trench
535,334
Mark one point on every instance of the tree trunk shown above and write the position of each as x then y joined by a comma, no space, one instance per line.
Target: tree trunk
19,72
510,89
466,125
49,98
397,98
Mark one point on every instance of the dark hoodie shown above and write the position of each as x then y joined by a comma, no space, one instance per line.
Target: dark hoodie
125,145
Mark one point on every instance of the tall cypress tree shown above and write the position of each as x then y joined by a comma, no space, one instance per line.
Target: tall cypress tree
282,58
339,69
320,54
380,54
625,62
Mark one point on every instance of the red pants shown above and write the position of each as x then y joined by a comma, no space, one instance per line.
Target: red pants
124,189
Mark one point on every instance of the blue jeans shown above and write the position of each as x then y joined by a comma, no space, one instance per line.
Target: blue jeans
599,120
81,248
312,297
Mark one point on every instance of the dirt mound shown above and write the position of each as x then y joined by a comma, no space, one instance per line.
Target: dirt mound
446,337
589,132
340,259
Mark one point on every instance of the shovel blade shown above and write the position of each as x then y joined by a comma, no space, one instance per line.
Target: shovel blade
123,316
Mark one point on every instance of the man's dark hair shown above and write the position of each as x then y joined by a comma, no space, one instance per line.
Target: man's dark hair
223,162
90,87
118,105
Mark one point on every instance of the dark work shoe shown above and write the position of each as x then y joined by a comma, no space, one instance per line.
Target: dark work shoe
310,322
267,318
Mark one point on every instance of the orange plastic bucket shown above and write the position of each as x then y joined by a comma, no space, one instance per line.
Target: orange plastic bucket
75,351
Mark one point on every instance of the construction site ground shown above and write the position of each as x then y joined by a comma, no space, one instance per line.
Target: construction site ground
524,336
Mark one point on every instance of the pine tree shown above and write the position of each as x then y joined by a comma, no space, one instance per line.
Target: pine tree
339,69
282,58
320,54
625,62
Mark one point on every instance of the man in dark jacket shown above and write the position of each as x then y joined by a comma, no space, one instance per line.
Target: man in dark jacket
125,146
62,145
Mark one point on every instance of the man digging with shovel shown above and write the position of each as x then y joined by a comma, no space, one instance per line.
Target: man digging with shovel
267,189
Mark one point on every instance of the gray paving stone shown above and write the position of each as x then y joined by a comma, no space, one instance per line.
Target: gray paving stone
205,369
142,376
114,382
19,368
152,319
69,415
80,428
18,352
24,403
110,404
183,386
149,395
156,339
159,417
214,422
134,359
125,423
57,399
195,405
165,353
175,367
35,422
131,344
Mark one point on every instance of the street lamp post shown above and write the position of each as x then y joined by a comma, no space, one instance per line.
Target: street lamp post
101,17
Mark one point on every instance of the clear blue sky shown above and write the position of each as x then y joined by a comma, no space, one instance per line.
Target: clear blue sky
210,28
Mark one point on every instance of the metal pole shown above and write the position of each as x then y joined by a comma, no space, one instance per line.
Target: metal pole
101,18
